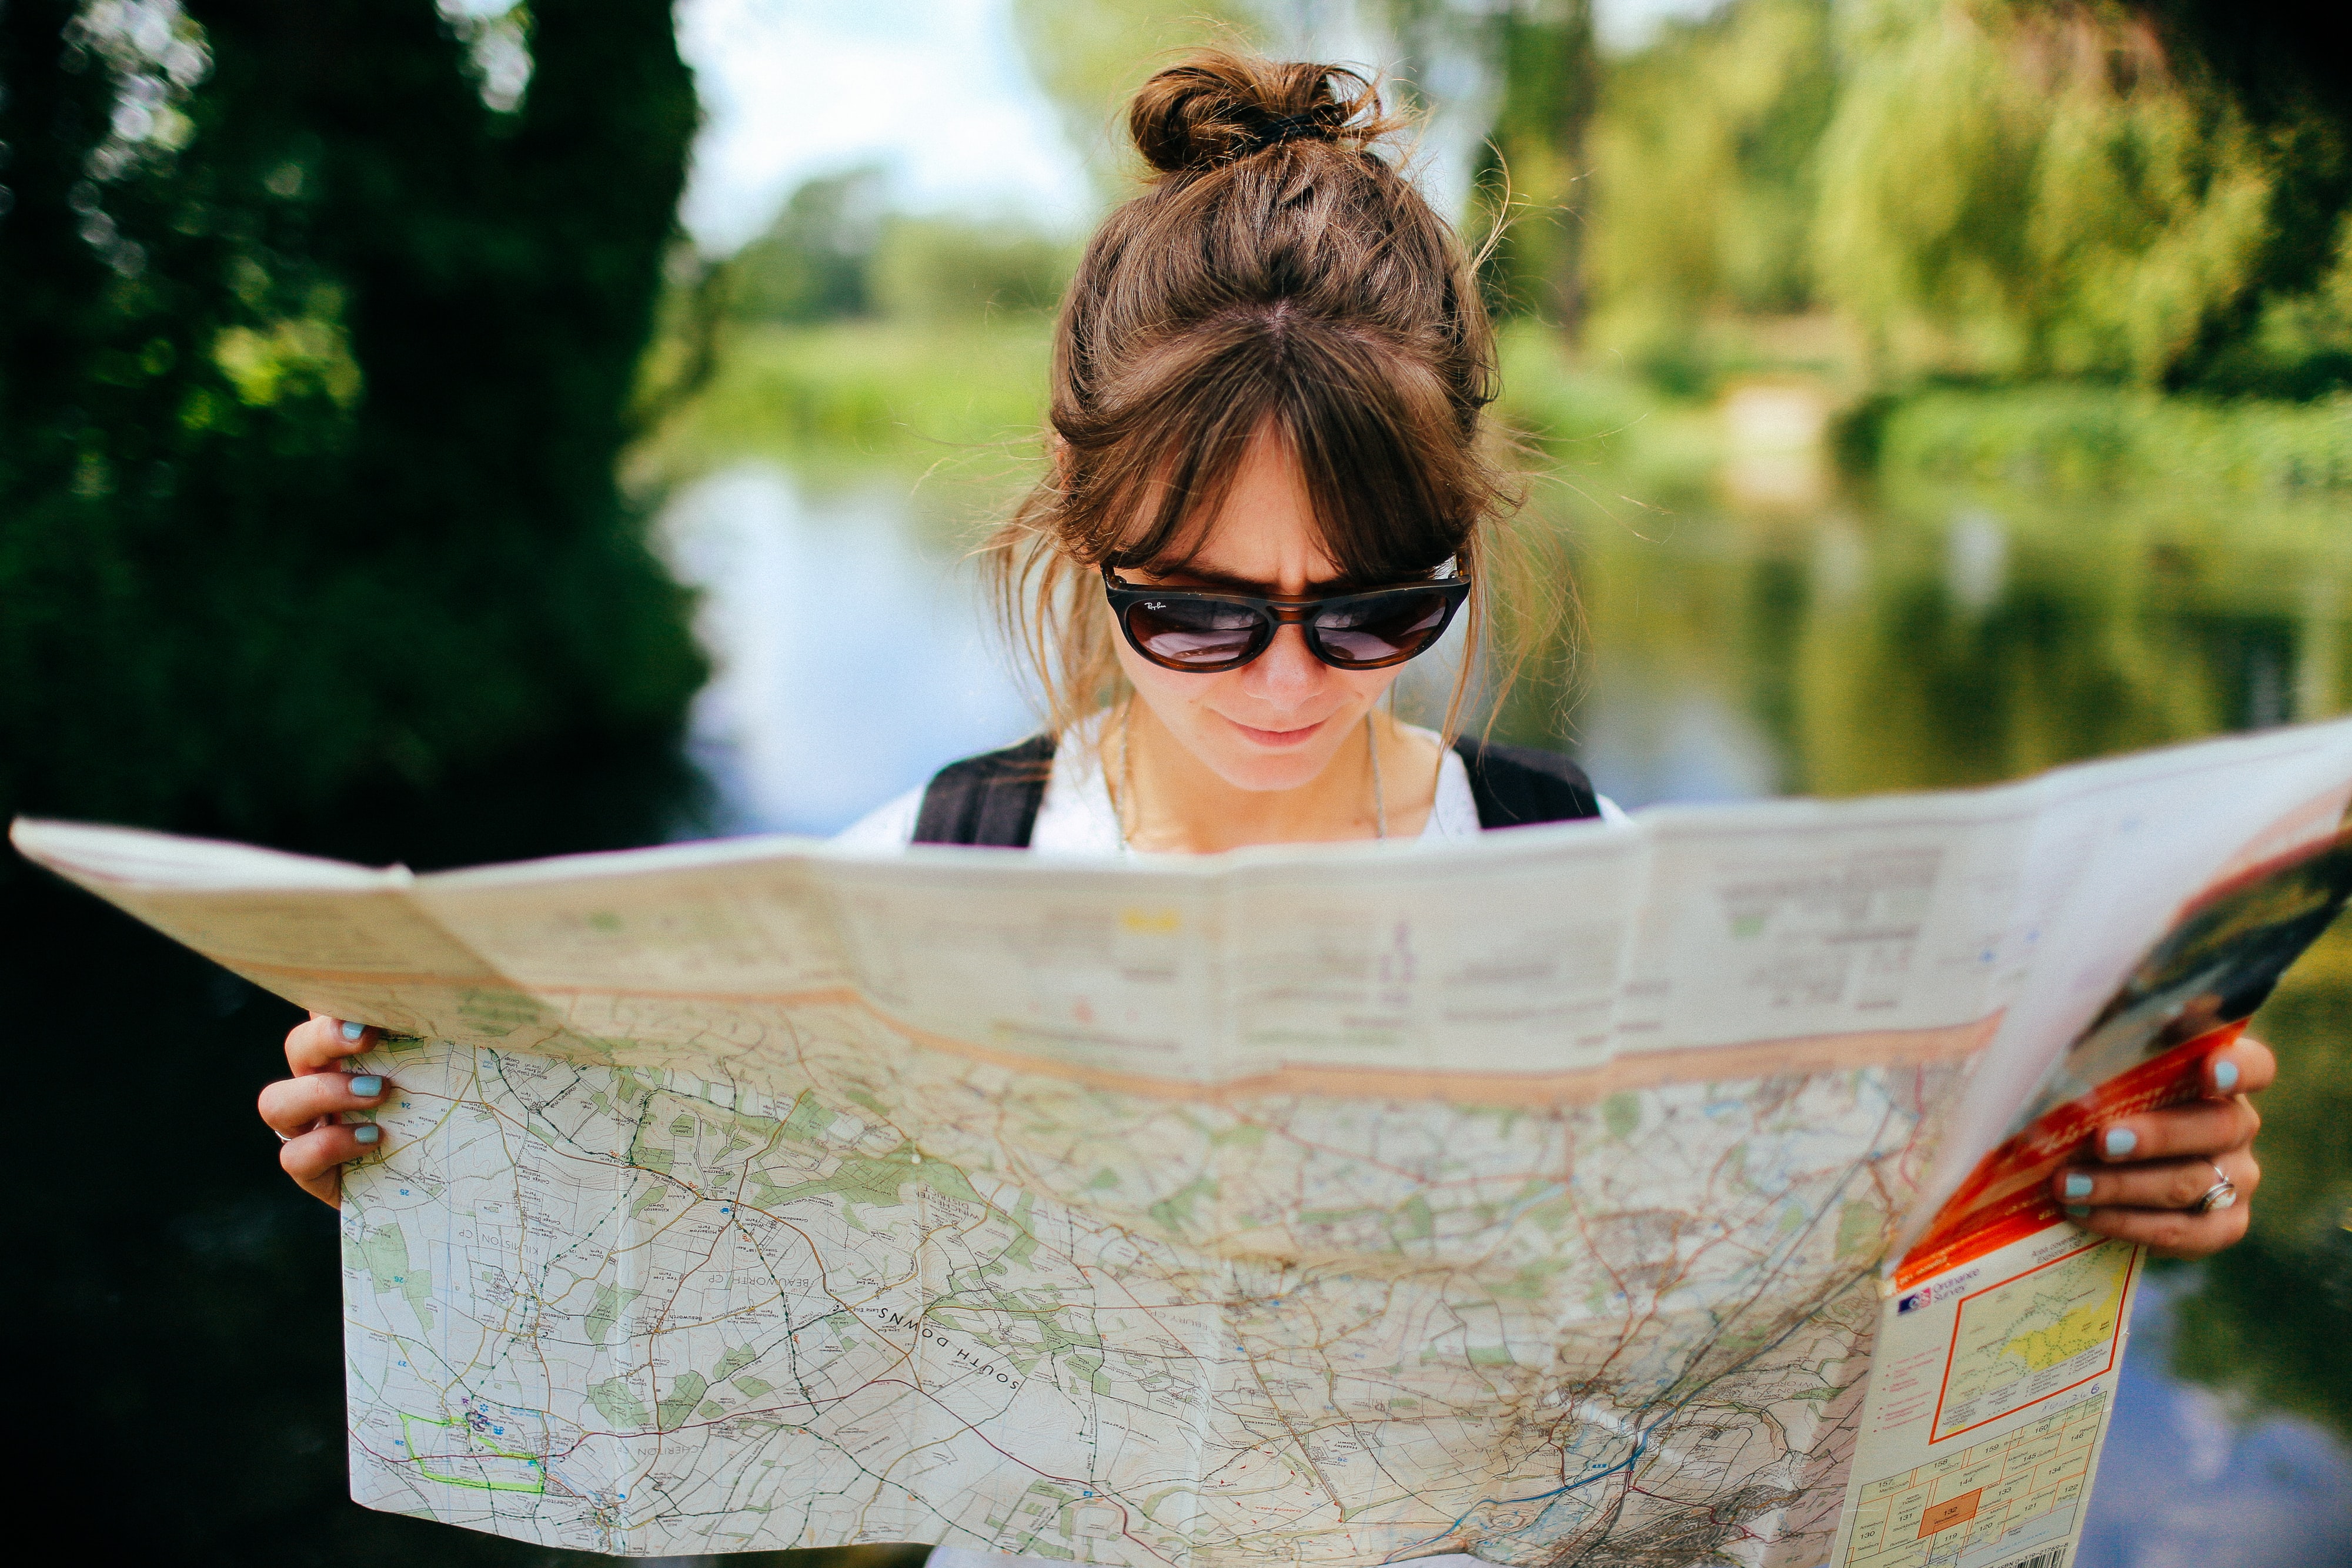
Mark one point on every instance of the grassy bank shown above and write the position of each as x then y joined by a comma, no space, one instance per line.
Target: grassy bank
2080,438
881,393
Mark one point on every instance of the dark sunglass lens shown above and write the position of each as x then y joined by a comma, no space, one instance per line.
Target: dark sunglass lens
1194,632
1382,630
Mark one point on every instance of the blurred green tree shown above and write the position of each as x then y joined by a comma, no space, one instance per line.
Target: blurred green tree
814,262
1090,55
837,251
2016,190
2153,193
945,267
2286,68
1704,151
1533,170
313,370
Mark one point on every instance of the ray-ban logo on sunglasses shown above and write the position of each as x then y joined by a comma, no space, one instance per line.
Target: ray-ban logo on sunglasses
1156,604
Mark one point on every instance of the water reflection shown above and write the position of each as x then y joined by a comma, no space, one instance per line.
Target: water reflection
2190,1479
1799,644
851,658
1644,746
1952,642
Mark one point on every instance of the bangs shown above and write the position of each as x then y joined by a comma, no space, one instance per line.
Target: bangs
1391,491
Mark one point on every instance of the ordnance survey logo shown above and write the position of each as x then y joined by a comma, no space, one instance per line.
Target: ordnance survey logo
1935,1291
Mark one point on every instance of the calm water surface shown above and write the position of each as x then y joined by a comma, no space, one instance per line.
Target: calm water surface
1782,641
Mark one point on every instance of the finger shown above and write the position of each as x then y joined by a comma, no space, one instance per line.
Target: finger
2156,1184
317,1158
2169,1232
317,1045
2246,1068
2200,1127
291,1105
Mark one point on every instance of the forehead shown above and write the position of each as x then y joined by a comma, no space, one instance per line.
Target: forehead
1264,532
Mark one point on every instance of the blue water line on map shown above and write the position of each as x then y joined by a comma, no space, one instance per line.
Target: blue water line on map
1640,1443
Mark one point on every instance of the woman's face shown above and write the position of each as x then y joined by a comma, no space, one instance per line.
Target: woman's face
1276,721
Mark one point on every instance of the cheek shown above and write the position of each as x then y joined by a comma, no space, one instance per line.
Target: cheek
1368,687
1185,705
1165,691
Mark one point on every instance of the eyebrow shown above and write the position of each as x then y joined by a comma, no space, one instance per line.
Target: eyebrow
1193,576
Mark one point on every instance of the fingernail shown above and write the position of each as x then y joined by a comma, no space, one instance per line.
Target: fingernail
2120,1142
2078,1211
2225,1076
368,1085
353,1030
2078,1185
367,1133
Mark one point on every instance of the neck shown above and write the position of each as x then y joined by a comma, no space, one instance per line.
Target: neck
1170,802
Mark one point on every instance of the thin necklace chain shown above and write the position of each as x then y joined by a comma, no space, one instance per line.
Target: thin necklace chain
1126,776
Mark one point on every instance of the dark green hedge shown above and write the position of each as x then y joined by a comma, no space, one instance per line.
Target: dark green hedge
307,522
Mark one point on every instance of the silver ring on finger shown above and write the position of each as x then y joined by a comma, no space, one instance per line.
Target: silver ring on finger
2221,1195
290,1137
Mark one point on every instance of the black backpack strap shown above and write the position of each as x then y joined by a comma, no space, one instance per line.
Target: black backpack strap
992,798
1517,785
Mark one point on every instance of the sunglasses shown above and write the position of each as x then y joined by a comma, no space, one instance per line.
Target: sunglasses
1178,629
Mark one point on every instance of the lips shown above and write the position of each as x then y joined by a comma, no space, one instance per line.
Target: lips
1278,739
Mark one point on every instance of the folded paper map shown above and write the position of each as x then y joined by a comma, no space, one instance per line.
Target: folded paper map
1539,1197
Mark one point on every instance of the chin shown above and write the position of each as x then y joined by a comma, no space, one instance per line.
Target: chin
1244,766
1259,774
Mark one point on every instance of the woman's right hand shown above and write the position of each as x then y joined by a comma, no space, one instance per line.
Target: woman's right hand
302,1110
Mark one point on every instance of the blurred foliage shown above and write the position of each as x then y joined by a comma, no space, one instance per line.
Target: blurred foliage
1598,435
1531,173
847,327
1703,156
2097,439
1986,189
1090,56
313,367
815,261
943,270
861,390
2035,191
837,252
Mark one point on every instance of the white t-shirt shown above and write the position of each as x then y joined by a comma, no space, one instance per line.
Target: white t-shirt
1076,817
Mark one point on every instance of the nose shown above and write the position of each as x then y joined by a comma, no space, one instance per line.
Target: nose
1286,675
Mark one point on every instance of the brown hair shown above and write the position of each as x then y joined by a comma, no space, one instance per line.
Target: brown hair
1277,272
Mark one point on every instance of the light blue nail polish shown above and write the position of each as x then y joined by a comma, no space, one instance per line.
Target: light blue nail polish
2225,1076
2078,1185
367,1086
2120,1141
368,1132
353,1030
2078,1211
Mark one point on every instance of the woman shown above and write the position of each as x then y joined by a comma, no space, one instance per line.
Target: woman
1270,490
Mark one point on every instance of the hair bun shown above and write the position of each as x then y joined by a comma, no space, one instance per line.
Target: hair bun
1219,107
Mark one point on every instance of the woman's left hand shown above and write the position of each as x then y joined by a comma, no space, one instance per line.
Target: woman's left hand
2142,1177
